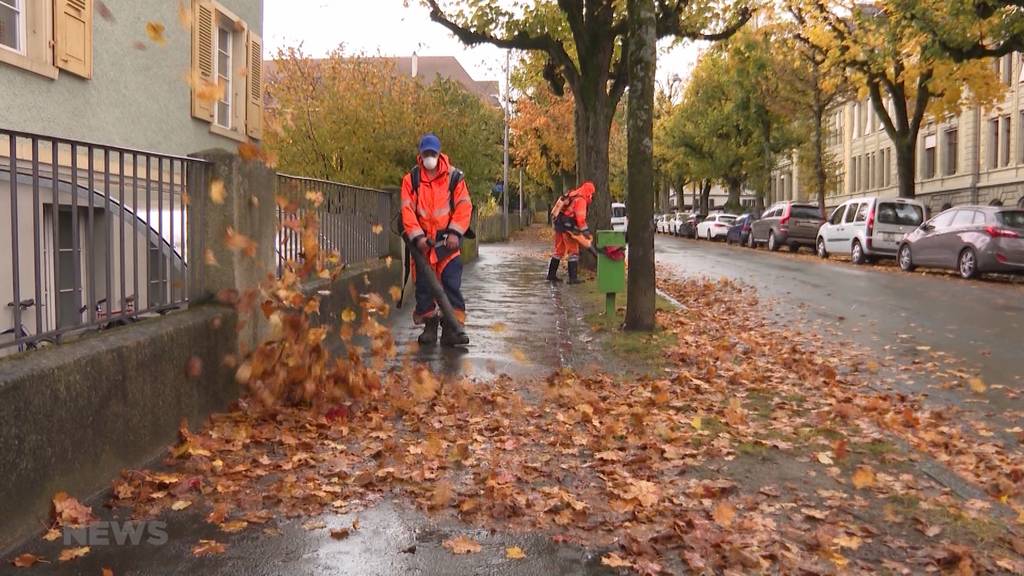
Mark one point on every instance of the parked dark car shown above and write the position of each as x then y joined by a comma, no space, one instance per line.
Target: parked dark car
972,240
790,224
688,229
739,231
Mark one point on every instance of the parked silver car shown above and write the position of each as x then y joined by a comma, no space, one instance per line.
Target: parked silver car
972,240
790,224
866,228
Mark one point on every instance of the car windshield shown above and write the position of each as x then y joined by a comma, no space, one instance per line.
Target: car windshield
727,219
805,212
900,214
618,211
1011,218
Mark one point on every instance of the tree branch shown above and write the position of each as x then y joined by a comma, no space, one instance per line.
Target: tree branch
520,41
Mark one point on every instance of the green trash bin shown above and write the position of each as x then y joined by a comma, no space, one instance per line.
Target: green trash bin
611,272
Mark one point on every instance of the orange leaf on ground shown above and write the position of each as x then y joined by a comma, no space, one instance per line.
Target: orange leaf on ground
69,554
724,514
208,548
615,561
27,560
863,477
514,553
462,545
155,31
68,511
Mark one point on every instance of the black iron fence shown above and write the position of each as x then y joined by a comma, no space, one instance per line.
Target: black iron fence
90,235
354,221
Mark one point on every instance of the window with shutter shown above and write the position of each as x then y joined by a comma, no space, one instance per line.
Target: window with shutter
204,85
254,88
73,36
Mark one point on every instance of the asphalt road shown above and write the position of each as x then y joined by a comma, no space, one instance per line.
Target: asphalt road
923,316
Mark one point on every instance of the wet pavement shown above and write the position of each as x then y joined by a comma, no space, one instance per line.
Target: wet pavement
909,317
520,326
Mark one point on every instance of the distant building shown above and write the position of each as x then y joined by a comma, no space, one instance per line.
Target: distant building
976,156
690,198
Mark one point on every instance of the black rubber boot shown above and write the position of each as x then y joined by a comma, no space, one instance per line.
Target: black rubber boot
429,335
574,272
452,336
553,270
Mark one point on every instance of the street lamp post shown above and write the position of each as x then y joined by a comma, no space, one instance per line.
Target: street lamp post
504,188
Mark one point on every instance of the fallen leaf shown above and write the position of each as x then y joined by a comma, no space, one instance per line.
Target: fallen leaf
69,554
27,561
217,191
377,229
341,533
315,525
155,31
851,542
348,316
395,292
863,477
697,423
52,534
68,511
234,526
210,258
977,385
462,545
615,561
724,514
104,11
514,553
825,459
180,505
194,367
208,548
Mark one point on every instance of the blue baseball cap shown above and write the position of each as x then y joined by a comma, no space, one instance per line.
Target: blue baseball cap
430,143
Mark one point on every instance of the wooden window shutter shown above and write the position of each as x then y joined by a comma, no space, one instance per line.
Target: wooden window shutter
73,36
254,87
204,93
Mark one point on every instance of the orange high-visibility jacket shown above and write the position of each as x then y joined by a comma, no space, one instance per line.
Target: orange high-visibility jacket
579,201
427,211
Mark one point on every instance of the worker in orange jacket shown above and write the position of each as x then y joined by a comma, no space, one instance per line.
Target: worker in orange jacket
570,219
435,217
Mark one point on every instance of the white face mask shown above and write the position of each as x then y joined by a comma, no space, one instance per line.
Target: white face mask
430,162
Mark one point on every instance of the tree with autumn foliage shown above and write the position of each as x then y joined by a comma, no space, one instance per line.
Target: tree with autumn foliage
902,68
584,47
970,29
356,120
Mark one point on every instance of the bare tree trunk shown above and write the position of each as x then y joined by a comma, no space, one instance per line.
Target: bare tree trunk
906,159
640,296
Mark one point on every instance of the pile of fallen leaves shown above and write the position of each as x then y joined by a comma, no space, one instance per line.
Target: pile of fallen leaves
757,452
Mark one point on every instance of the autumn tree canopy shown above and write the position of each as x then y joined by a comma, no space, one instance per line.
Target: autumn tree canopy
904,69
355,119
583,44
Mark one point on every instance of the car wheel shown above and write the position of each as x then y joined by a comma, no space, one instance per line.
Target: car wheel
967,264
773,244
710,238
905,259
750,241
857,253
822,252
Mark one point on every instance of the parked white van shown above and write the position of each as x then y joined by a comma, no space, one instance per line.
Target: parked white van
868,228
619,221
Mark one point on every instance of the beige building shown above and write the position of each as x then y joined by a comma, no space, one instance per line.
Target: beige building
974,157
101,108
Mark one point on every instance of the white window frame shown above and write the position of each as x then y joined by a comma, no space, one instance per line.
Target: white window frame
217,73
19,9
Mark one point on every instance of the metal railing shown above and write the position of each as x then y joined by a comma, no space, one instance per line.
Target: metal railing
90,235
353,220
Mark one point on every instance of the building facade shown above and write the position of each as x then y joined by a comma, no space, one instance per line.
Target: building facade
976,156
101,109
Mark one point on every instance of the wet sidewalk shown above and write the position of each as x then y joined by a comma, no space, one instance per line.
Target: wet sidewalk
520,326
518,323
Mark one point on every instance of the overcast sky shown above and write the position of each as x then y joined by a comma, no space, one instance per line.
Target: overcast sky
388,28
